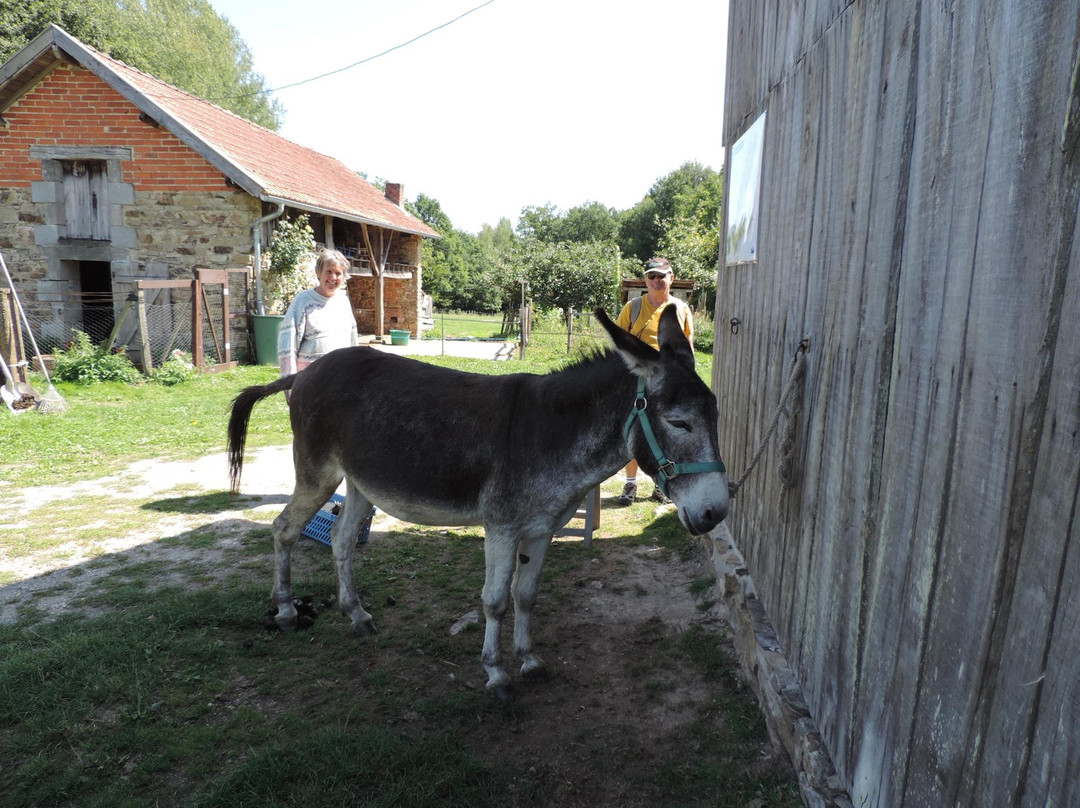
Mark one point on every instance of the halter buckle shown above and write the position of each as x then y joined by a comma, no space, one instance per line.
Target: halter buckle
669,470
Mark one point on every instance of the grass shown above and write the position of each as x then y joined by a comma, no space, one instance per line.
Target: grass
178,697
112,424
160,686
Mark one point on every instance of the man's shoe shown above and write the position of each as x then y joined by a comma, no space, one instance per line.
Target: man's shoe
659,496
628,494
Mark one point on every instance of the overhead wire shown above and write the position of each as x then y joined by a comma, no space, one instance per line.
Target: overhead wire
362,61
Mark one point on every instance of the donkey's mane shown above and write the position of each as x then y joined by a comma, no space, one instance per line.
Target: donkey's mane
600,361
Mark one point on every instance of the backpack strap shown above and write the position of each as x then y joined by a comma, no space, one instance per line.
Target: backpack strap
635,310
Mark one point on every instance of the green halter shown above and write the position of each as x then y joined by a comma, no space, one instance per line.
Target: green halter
668,469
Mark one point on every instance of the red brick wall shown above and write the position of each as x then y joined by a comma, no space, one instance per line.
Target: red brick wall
400,304
73,107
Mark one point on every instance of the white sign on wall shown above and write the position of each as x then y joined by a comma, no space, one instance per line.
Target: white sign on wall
743,194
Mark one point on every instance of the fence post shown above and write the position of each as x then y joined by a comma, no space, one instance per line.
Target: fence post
569,327
144,334
196,324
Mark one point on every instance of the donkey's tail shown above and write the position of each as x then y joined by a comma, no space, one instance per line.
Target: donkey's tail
238,423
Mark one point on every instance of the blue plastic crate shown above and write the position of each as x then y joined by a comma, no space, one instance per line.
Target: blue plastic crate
319,526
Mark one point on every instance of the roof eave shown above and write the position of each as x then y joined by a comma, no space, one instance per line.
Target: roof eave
351,217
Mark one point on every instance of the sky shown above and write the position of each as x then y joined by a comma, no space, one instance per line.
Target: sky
517,103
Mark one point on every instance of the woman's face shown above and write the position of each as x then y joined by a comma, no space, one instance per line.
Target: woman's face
331,278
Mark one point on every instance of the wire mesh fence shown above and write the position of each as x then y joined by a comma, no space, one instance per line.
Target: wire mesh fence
551,333
148,320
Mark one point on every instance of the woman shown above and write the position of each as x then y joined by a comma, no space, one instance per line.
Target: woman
319,320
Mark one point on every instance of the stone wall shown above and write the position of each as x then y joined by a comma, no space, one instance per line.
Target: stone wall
168,209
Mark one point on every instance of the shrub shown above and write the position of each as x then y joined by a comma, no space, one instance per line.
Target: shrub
704,332
83,362
177,369
291,263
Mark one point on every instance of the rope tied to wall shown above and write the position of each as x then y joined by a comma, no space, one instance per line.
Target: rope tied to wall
791,405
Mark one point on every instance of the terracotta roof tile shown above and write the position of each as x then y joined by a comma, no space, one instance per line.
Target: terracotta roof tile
273,166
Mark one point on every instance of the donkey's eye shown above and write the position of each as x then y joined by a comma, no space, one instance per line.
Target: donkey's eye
683,425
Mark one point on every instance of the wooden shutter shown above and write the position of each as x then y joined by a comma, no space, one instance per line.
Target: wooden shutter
85,203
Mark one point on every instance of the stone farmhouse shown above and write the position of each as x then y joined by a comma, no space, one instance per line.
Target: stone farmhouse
108,176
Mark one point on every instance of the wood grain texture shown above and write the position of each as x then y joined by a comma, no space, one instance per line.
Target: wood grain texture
919,224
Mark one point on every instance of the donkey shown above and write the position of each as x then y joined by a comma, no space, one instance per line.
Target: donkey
516,454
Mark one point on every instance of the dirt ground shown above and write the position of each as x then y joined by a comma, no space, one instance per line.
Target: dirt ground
605,632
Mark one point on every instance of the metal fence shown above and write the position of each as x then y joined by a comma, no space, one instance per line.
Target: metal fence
550,333
147,319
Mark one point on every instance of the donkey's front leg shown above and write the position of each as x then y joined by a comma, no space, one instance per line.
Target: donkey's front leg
499,565
530,563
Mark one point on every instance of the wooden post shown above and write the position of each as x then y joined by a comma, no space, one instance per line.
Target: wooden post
146,357
11,347
196,323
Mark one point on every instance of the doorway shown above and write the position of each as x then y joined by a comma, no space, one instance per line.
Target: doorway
98,313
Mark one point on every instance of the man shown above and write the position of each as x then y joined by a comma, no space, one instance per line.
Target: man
641,317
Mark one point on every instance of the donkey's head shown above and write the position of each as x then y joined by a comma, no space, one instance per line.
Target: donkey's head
671,427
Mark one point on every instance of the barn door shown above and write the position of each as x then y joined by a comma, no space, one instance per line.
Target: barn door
85,205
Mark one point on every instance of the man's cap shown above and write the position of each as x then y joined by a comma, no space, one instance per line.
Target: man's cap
658,265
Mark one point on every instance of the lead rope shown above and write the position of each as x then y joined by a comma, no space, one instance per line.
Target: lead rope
789,401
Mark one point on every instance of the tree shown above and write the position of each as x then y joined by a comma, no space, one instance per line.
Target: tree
590,222
182,42
430,212
568,275
540,223
582,224
692,192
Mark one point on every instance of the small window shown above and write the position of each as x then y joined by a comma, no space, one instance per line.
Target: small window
86,208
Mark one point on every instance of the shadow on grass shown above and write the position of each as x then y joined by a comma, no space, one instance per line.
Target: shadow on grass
217,502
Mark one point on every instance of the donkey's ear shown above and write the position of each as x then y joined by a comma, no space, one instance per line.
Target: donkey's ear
639,356
672,338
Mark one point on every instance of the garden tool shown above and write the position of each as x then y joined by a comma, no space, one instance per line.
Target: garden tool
17,392
52,401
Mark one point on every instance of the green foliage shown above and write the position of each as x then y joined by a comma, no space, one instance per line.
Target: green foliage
567,275
693,193
466,273
574,259
430,212
586,223
704,332
177,369
83,362
290,254
183,42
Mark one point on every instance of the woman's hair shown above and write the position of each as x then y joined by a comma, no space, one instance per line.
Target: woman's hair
330,258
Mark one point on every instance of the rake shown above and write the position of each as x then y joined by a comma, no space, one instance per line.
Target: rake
52,401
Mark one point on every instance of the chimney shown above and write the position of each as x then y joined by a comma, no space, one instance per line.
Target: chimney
394,192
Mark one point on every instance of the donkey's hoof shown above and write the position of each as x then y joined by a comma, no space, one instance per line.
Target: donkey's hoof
502,692
537,673
365,628
286,624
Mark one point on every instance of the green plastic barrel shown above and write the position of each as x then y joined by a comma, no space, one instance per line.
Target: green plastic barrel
266,328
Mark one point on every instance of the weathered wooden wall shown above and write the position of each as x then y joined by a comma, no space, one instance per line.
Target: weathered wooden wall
918,222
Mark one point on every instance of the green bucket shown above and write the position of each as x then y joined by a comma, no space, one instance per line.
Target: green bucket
266,328
399,337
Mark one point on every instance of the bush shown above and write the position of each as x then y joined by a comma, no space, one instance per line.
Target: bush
177,369
83,362
704,332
